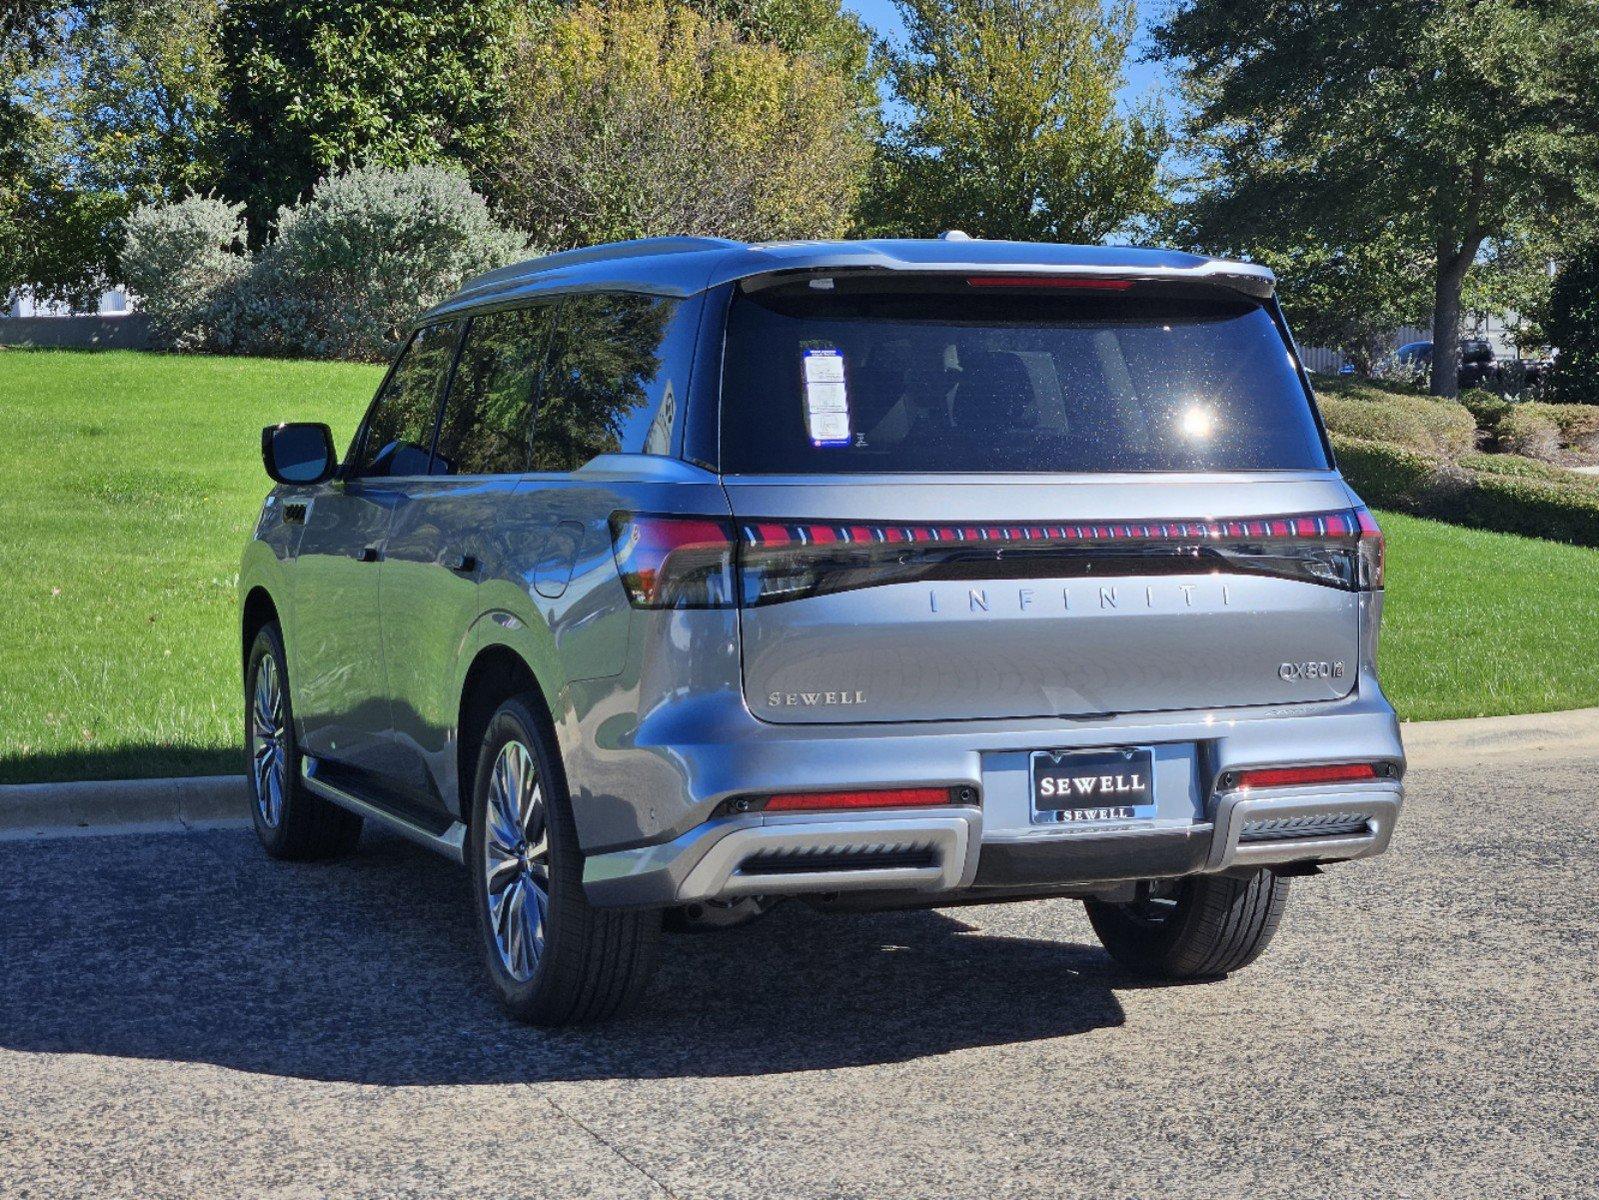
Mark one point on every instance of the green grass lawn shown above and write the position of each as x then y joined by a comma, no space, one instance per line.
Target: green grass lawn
129,482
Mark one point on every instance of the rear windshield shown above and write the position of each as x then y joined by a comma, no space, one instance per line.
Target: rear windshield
823,376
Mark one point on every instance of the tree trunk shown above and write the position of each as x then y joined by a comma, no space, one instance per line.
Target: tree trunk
1453,263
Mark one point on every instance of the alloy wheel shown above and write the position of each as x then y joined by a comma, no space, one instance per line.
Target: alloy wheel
268,754
516,861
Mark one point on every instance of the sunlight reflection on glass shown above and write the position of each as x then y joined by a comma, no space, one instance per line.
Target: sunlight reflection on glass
1198,422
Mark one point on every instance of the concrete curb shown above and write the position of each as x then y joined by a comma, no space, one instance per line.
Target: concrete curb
48,809
1573,734
38,808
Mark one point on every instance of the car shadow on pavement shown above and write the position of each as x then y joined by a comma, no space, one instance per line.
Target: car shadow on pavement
195,948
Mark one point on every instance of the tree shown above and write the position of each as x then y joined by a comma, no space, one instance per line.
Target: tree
1444,124
1011,125
1572,323
108,105
1349,298
646,117
314,86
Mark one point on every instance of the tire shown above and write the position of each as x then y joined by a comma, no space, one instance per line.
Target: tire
551,958
1196,928
291,822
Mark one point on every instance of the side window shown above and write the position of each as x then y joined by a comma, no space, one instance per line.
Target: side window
607,387
399,426
488,418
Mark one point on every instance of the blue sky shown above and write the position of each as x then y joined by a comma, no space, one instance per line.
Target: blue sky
1142,78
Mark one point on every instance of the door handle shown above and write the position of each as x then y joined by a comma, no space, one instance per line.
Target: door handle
369,554
463,564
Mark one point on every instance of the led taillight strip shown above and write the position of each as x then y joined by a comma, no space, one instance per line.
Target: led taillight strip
1344,523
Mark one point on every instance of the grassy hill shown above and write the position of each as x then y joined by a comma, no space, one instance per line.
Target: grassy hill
129,483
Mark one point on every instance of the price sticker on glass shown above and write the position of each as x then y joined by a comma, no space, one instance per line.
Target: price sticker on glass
826,398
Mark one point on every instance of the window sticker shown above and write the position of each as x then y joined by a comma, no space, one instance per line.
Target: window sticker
826,398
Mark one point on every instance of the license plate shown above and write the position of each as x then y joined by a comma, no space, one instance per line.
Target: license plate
1072,786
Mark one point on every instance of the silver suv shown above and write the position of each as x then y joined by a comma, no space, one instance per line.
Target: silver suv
676,578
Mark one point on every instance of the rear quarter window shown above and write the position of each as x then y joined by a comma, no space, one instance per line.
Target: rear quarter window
949,377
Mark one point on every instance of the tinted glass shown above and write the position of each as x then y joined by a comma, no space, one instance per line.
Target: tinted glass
605,388
488,419
301,453
399,427
952,377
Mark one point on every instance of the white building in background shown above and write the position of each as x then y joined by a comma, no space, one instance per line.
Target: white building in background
115,323
114,303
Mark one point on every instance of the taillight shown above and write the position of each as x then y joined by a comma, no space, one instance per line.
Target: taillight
674,562
1267,777
786,560
1373,551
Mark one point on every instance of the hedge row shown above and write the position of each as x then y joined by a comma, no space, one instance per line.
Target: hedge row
1500,492
1426,426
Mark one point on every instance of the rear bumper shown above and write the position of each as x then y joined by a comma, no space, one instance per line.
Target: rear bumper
708,753
942,852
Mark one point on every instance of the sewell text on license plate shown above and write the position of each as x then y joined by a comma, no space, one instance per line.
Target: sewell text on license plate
1071,786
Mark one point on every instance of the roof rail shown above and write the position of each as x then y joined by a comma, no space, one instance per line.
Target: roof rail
638,248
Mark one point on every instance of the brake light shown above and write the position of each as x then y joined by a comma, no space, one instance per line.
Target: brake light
1050,281
1373,551
917,797
1299,776
673,561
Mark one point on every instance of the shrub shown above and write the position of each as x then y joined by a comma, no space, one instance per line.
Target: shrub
1392,476
1527,431
1431,427
178,259
1554,433
350,267
1485,491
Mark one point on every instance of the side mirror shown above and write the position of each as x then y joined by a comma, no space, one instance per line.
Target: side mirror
301,452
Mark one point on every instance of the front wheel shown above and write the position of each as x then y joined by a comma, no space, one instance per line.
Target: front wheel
552,959
291,822
1205,925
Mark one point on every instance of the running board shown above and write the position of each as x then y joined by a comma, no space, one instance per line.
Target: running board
451,843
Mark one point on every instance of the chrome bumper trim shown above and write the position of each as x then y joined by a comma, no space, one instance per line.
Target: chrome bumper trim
720,859
1380,803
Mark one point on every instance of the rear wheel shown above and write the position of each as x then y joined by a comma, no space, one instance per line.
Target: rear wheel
553,960
291,822
1204,925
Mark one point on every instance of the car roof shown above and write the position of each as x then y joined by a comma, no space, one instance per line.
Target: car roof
682,266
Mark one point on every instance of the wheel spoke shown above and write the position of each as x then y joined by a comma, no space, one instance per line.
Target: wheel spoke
516,866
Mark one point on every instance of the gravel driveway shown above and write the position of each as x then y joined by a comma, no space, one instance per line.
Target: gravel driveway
180,1017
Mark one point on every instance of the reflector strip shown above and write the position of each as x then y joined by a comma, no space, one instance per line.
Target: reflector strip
868,798
1298,776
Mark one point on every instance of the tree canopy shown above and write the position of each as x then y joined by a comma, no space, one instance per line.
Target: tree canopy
1435,126
312,86
648,117
1011,126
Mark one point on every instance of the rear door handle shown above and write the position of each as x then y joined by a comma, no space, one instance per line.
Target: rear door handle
463,564
369,554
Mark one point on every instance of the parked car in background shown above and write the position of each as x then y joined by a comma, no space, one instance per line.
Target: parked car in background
1479,366
679,577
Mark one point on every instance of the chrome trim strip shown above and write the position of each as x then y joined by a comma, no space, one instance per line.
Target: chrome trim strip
1381,801
452,844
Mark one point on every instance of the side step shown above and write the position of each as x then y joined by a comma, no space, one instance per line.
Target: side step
451,842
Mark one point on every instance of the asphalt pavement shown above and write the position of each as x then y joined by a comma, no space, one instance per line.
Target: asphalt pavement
181,1017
